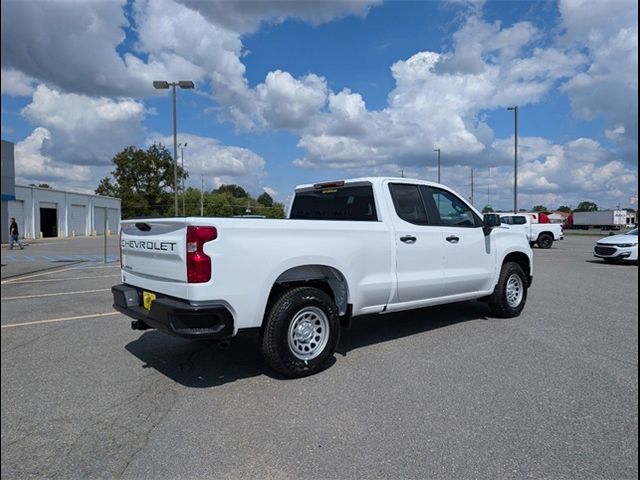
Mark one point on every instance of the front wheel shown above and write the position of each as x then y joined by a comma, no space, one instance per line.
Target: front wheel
510,294
545,240
301,332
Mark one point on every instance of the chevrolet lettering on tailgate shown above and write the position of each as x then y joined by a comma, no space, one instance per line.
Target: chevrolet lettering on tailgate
149,245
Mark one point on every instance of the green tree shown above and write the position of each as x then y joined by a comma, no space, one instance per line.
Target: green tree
265,200
235,190
586,206
192,202
143,180
539,208
564,208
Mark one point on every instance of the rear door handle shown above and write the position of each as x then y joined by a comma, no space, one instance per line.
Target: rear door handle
452,239
408,239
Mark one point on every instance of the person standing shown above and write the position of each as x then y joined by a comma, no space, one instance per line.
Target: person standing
14,235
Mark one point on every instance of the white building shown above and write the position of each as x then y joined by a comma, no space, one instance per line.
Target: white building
45,212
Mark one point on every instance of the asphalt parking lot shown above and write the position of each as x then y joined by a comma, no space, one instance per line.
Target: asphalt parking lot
444,392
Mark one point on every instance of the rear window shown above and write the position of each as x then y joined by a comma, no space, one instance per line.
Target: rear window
341,203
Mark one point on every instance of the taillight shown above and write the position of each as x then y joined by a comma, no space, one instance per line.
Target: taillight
199,264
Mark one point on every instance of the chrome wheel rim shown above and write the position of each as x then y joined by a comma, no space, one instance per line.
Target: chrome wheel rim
515,290
308,333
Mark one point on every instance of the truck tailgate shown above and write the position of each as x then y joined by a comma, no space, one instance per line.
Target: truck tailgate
155,249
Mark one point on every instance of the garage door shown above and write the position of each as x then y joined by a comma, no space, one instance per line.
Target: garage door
16,210
78,221
114,220
98,220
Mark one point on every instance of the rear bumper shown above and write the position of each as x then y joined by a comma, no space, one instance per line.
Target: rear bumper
172,316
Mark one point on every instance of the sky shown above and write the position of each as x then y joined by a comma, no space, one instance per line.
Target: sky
294,92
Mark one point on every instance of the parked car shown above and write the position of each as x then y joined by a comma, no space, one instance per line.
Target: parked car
616,248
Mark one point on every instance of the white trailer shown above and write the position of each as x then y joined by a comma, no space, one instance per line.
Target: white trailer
604,219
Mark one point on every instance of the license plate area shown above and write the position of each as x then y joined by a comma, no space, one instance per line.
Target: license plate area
147,299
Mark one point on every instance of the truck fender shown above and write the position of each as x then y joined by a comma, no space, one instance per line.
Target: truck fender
322,272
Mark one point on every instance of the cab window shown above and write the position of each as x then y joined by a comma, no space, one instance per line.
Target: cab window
453,211
408,203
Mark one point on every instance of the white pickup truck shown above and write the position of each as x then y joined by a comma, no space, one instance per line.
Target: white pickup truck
541,234
348,248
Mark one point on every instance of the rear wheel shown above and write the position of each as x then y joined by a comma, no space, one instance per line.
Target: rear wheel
510,295
301,332
545,240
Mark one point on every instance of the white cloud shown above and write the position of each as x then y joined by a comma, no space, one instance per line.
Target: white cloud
218,163
68,44
609,86
273,193
16,83
568,173
289,103
199,41
202,51
32,166
84,130
437,101
246,16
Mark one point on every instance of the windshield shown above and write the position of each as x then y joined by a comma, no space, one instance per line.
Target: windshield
633,232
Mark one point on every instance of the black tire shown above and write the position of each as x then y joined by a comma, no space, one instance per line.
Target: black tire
290,351
545,240
501,302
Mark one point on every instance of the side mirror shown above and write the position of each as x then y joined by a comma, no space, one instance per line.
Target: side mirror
489,222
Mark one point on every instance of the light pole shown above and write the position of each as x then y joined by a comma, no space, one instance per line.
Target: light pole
438,150
515,158
163,85
182,146
471,185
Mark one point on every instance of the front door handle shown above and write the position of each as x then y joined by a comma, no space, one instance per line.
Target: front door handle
408,239
452,239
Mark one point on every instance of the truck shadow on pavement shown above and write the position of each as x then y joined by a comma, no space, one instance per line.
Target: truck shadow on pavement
205,364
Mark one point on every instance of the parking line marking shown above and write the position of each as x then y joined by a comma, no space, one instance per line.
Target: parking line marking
56,294
54,320
63,279
87,267
49,272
